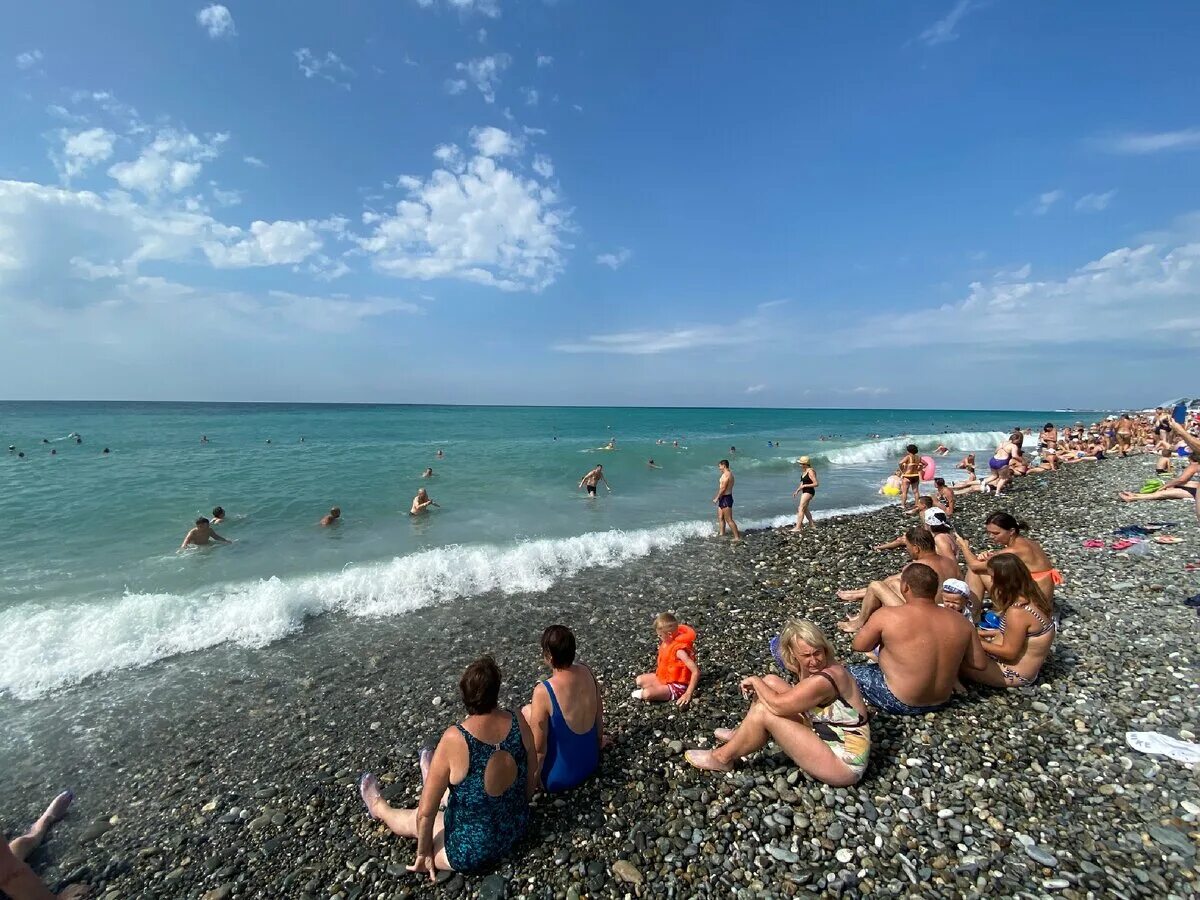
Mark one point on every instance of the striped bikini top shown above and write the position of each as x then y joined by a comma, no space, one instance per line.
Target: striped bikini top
1048,625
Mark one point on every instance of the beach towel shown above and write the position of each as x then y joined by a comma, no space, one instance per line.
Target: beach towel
1160,745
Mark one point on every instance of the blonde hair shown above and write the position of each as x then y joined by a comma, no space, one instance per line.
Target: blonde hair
810,633
665,620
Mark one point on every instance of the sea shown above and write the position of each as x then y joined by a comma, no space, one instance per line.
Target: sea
92,580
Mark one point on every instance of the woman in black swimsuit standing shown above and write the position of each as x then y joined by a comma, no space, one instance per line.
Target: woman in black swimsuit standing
807,489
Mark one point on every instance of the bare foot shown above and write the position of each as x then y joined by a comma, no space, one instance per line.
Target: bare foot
57,808
724,735
703,759
368,789
850,626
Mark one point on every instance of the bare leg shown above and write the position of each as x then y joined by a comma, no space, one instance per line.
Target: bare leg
879,593
979,584
737,535
24,845
1164,494
651,689
851,596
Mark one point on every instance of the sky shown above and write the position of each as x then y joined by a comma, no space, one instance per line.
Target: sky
944,203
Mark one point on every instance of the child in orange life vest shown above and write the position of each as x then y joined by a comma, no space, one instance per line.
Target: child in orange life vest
677,674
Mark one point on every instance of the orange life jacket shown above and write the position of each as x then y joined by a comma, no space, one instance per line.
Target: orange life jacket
670,669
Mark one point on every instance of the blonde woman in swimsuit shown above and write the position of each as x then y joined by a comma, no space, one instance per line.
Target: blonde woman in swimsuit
1004,530
1017,651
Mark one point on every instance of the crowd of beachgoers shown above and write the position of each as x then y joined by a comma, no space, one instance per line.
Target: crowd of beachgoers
950,617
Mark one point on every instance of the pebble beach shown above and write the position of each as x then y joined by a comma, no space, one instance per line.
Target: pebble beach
249,789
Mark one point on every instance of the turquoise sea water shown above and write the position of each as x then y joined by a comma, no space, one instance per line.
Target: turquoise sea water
91,580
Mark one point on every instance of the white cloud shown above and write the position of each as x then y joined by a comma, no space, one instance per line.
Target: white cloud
756,389
83,150
530,95
1046,201
473,220
254,161
648,343
330,67
489,8
224,197
217,21
27,60
1095,202
942,31
455,86
1138,143
544,61
266,244
170,163
1018,274
1156,286
490,141
542,166
614,260
871,391
484,73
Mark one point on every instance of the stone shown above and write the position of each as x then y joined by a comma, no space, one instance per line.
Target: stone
494,887
627,872
1040,856
220,893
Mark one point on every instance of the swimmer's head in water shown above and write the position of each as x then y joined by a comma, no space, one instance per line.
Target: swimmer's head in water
335,512
105,449
218,512
201,522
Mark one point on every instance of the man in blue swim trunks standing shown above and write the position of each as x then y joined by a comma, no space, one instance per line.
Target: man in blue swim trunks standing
922,647
724,501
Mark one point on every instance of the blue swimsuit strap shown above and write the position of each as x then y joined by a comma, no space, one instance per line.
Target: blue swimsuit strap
556,710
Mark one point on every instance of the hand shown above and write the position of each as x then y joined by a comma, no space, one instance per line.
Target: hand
424,863
684,700
747,687
987,634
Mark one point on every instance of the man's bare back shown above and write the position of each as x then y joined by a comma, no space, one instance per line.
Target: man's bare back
923,648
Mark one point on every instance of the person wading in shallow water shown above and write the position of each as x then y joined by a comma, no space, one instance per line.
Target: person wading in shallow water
724,501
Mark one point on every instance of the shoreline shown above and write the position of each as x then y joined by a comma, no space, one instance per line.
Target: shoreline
282,733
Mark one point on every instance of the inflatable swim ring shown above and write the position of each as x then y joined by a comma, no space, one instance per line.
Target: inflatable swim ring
891,487
928,468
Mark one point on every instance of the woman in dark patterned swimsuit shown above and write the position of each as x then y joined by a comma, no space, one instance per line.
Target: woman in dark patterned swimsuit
483,763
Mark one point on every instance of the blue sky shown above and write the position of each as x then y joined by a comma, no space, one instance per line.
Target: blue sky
942,204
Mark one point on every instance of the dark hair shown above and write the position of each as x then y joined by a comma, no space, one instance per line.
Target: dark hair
202,521
724,463
1012,583
921,580
1017,437
558,643
940,481
218,512
1049,426
926,502
921,538
911,448
1001,519
480,686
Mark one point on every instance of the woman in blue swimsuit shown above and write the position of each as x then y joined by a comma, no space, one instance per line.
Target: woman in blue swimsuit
566,715
484,762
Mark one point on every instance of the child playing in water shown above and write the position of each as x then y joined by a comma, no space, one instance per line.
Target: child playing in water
676,676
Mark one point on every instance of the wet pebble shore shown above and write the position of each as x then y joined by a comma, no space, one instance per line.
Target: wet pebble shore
232,774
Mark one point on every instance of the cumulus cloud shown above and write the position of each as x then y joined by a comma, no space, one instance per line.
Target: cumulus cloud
474,219
217,21
943,30
28,60
491,141
1017,274
544,61
531,96
756,389
265,244
330,67
1140,143
1094,202
489,8
1155,285
484,73
614,260
169,164
82,150
543,166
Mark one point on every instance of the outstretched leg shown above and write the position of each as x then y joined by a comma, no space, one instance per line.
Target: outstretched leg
32,839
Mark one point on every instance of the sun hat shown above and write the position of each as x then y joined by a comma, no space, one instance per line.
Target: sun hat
803,460
956,586
936,518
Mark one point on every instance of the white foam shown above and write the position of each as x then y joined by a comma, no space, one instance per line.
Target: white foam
49,647
873,451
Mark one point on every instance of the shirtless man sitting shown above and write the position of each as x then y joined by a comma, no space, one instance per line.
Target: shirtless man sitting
922,648
201,535
919,543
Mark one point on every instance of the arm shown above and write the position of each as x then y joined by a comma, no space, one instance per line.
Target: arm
975,659
606,484
539,718
1010,646
532,773
974,563
870,635
799,698
187,541
1187,475
436,784
890,545
692,682
1184,436
217,537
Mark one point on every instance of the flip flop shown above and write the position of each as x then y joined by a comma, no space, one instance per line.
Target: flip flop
1168,539
1094,544
1123,544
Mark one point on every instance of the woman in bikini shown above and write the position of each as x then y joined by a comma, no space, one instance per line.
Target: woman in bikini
807,490
1006,531
1017,650
820,722
999,463
910,474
